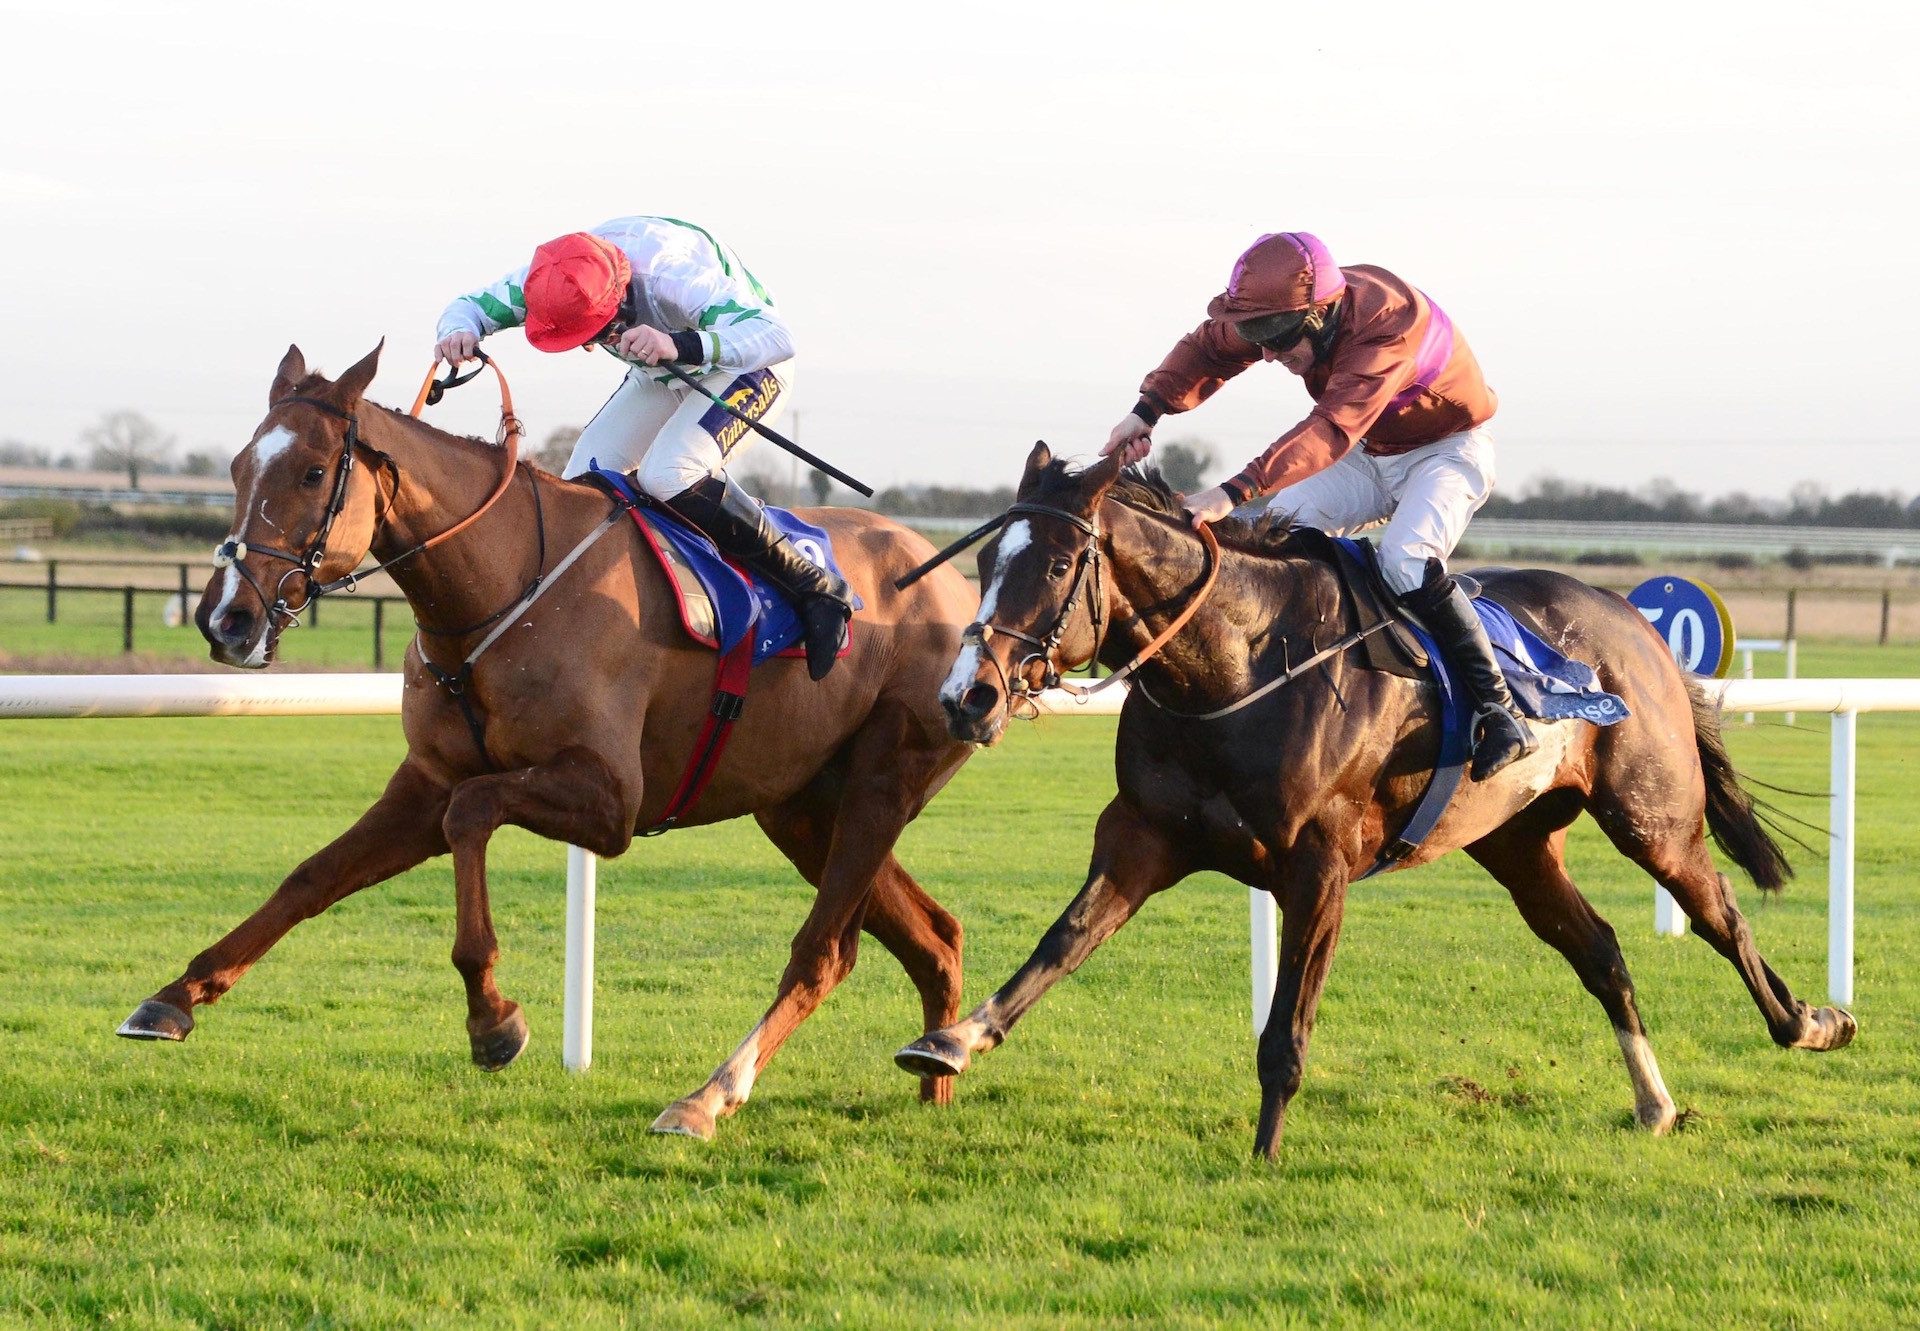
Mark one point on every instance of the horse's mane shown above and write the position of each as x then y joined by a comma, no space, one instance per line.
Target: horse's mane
1144,489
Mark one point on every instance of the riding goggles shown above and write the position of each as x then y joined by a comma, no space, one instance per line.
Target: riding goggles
1275,332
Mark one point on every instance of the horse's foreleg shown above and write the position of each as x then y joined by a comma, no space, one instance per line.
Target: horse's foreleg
575,799
1131,861
399,831
887,779
1312,904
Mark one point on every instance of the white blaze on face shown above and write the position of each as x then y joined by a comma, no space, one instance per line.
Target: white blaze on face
266,451
1018,536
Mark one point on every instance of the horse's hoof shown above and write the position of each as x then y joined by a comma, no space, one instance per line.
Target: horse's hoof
1832,1028
154,1020
498,1047
1657,1119
684,1118
934,1055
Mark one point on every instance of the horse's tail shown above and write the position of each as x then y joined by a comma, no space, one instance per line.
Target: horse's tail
1731,816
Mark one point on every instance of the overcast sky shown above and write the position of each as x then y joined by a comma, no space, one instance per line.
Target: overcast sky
1679,236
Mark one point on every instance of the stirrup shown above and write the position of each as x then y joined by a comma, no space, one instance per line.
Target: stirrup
1500,739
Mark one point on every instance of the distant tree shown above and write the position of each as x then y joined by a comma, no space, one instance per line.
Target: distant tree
821,484
1185,463
127,441
766,487
13,453
553,454
200,464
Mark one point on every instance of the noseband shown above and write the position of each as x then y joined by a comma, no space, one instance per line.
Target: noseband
1047,645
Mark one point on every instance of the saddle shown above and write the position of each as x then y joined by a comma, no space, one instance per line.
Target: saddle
719,603
1366,600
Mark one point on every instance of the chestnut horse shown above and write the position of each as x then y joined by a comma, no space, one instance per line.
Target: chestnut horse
588,707
1299,792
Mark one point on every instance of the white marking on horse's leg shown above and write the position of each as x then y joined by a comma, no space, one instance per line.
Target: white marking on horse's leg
1652,1106
979,1031
732,1082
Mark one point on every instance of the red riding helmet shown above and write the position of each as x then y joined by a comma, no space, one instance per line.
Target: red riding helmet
1279,274
574,288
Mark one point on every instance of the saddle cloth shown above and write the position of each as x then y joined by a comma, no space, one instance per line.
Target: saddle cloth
719,604
1546,685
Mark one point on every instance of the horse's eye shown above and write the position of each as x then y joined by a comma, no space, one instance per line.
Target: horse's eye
314,476
1058,569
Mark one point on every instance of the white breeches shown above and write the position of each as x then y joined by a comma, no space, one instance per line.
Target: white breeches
669,435
1426,496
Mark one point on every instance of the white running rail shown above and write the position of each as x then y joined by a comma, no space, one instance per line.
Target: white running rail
24,696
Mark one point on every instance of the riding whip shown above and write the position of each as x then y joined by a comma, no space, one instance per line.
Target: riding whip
818,464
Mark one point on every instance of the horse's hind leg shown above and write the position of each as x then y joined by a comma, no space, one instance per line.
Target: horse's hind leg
1131,861
401,829
1525,857
1672,848
890,772
576,799
922,936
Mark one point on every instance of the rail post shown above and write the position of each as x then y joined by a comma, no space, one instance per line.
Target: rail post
53,588
576,1022
185,614
1840,781
1266,958
379,606
1792,592
1886,613
126,620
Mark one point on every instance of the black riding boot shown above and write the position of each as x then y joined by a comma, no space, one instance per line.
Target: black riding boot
1500,736
739,526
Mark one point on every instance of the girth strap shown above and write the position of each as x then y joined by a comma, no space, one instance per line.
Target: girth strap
729,700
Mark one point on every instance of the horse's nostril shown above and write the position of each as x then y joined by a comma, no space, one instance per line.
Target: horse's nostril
980,699
236,625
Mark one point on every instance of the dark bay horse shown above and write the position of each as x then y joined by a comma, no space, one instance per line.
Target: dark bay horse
1298,793
589,707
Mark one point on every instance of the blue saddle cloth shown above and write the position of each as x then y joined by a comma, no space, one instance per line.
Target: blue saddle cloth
1544,684
741,604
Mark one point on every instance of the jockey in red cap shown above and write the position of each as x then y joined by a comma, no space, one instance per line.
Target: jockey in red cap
653,290
1387,371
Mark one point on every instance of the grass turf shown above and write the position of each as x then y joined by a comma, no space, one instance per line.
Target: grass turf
322,1154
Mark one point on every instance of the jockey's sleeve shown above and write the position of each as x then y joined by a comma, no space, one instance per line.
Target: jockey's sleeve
1364,378
738,328
488,310
1194,370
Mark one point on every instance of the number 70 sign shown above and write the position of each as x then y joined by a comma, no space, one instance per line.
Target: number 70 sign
1692,618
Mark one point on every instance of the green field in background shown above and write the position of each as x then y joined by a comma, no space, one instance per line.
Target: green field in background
322,1154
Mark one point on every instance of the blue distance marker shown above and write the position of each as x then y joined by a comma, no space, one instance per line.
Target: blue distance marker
1692,618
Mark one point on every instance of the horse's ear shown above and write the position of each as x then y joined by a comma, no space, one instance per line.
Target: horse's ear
1037,462
352,385
293,368
1103,473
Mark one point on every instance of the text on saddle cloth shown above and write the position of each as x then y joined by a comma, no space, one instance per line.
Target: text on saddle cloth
719,604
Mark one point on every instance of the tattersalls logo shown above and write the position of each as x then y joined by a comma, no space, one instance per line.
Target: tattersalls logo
752,395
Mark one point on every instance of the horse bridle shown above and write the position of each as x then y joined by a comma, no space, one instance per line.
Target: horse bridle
979,632
233,551
1046,646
